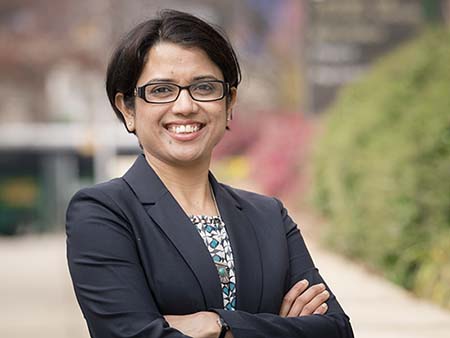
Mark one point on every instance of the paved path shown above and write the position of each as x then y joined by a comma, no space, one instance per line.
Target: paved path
36,298
377,308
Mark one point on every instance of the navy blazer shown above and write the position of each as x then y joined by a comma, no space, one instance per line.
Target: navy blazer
134,256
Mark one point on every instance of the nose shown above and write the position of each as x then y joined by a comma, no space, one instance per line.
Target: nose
184,104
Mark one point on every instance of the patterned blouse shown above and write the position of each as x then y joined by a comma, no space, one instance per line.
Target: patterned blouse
212,230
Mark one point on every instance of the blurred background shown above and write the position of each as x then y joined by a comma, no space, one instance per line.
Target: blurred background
343,113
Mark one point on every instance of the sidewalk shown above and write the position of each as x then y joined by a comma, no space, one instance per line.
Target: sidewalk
377,308
36,297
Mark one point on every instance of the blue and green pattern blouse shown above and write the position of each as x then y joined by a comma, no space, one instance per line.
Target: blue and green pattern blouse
214,234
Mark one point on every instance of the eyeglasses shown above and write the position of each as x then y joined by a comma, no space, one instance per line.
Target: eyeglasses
163,92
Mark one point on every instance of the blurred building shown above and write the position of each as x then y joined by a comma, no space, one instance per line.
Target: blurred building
345,37
61,59
57,131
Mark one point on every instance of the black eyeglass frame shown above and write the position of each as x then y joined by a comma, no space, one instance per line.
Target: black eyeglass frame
140,91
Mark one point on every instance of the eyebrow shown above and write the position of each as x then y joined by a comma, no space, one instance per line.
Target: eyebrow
205,77
197,78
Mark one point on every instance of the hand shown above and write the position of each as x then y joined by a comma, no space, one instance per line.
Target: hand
302,301
197,325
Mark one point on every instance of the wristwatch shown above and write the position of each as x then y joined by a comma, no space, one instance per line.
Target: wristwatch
224,327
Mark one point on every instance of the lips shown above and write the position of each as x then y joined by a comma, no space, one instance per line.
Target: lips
184,128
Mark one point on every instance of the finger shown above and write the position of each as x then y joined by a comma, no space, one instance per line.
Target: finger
168,319
304,299
292,295
321,310
315,303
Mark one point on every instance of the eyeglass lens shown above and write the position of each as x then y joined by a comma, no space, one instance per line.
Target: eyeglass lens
201,91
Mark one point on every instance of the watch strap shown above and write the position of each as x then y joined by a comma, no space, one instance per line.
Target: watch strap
224,327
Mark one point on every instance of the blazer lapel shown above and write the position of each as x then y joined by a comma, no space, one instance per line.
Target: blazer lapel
170,217
246,252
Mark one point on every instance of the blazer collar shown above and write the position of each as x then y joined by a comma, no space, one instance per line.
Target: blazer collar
143,180
149,188
170,217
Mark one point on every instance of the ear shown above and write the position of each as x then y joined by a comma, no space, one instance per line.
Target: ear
231,103
127,112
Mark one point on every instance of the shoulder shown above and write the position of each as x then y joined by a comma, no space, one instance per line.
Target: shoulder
99,212
265,209
111,189
248,199
108,196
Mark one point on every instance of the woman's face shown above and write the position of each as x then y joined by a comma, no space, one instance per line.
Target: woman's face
185,131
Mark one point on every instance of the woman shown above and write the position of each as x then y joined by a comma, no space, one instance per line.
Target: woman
166,250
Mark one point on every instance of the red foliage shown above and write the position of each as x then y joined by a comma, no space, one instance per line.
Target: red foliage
277,147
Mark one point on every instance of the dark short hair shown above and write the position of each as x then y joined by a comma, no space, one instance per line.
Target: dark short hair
129,58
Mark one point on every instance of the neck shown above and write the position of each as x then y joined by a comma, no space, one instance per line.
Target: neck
189,185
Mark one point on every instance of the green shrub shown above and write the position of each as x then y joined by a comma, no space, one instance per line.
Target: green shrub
382,167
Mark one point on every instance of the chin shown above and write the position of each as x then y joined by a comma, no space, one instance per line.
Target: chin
190,159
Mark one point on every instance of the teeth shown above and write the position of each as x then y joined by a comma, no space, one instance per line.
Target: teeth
184,129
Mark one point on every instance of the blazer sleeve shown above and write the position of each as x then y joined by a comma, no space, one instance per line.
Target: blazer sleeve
107,276
334,324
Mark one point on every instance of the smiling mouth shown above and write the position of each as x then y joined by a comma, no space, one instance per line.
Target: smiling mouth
184,128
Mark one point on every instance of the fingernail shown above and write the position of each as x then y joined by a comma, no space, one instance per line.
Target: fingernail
326,293
324,305
304,282
322,286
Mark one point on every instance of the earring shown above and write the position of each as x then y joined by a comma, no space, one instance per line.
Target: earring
230,116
